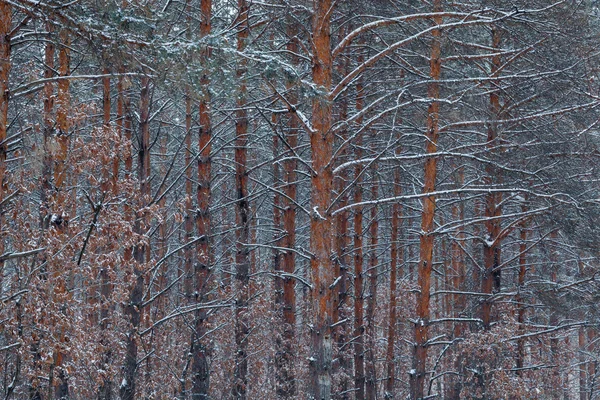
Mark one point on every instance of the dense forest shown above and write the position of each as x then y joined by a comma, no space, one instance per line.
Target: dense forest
312,199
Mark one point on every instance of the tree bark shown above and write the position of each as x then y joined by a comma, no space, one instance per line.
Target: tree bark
321,224
493,211
371,353
133,309
395,256
204,251
286,372
242,213
359,360
519,299
419,370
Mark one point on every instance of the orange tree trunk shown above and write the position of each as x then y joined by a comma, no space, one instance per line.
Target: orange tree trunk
286,373
418,372
395,255
371,378
204,251
491,248
242,214
60,387
359,361
321,224
341,266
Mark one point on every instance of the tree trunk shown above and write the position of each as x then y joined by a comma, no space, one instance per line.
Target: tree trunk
459,301
133,309
359,361
105,388
395,255
286,371
343,367
242,214
491,247
200,366
321,224
419,369
60,388
519,299
371,353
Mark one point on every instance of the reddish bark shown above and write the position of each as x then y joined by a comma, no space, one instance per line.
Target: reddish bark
418,373
59,387
371,378
204,251
493,211
395,256
242,214
286,373
359,362
344,367
321,224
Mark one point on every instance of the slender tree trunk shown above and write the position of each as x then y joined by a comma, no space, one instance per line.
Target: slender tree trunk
582,348
48,129
418,373
60,388
395,255
105,388
459,301
371,353
359,361
491,247
188,278
555,392
321,224
242,214
286,371
343,367
519,299
133,309
592,365
200,365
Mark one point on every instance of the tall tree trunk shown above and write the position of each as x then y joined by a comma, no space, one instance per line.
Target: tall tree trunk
48,128
286,373
491,248
459,301
204,251
105,388
242,214
395,255
188,279
419,369
321,224
343,367
133,309
371,353
521,285
359,361
60,388
555,391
